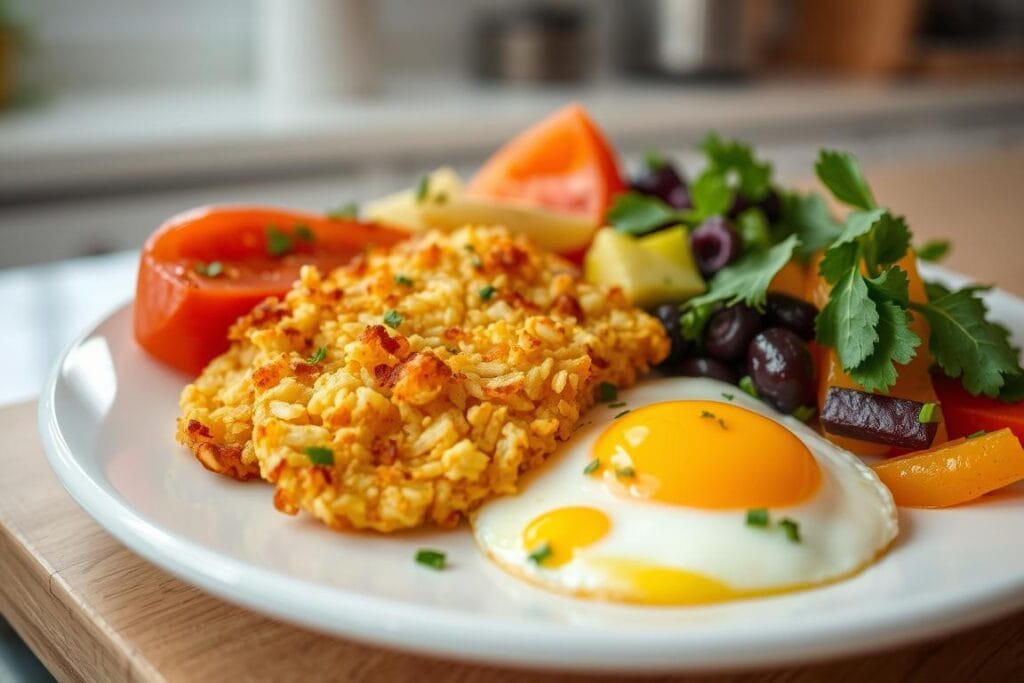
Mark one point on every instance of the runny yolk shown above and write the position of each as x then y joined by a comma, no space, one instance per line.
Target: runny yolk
706,454
565,530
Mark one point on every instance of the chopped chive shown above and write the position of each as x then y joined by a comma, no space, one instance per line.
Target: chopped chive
403,280
625,473
540,553
728,397
975,435
487,291
393,319
721,423
278,243
747,385
791,528
607,392
757,517
707,414
592,466
617,404
434,559
422,188
304,232
804,413
345,211
318,355
616,417
319,455
927,413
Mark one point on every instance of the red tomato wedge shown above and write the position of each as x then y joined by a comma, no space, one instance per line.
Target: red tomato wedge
203,269
564,163
965,414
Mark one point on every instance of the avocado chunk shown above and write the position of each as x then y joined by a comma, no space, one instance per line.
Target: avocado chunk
649,272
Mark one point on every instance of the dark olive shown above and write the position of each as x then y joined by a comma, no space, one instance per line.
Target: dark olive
715,244
706,367
729,332
780,366
668,315
660,179
794,314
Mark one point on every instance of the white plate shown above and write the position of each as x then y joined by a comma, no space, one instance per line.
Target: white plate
107,420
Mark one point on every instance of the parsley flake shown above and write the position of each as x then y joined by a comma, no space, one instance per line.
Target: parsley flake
346,211
540,553
707,415
607,392
617,404
616,417
757,517
318,356
278,243
804,413
791,528
393,319
625,473
728,397
403,280
975,435
747,385
422,189
435,559
319,455
592,466
487,292
304,232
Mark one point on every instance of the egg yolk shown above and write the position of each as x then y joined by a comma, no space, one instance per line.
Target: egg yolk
558,534
705,454
650,584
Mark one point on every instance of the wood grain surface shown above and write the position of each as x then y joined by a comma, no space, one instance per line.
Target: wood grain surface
93,611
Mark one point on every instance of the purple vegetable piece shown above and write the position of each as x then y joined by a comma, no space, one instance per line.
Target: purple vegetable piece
880,419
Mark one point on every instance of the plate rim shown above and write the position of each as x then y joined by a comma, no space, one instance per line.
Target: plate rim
435,631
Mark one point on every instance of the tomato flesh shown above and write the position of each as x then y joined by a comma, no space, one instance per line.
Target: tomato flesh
182,316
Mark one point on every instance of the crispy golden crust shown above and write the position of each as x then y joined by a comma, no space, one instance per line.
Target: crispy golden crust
466,389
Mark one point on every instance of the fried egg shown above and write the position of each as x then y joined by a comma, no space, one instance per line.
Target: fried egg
698,494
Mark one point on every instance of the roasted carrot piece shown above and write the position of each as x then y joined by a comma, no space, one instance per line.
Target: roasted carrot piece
955,472
790,280
966,414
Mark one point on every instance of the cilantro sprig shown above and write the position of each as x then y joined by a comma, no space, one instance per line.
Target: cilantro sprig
867,317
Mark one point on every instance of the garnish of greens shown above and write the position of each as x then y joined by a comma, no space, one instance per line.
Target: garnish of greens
393,319
435,559
320,455
279,243
540,553
867,316
422,189
759,518
317,356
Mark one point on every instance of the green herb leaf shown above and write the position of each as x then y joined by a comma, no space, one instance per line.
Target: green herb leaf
304,232
403,280
936,290
928,413
728,397
617,404
710,195
975,435
616,417
839,261
753,229
757,517
848,321
346,211
592,466
791,528
607,392
840,173
734,157
278,243
319,455
693,321
637,214
747,385
487,291
964,343
858,224
933,250
654,160
393,319
540,553
808,217
891,285
422,188
888,243
896,344
435,559
747,280
318,356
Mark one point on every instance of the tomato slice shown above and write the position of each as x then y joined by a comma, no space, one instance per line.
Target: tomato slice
203,269
563,163
966,414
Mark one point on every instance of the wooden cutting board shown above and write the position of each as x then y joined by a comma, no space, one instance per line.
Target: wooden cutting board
94,611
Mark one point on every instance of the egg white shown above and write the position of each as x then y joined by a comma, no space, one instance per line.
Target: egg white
845,525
